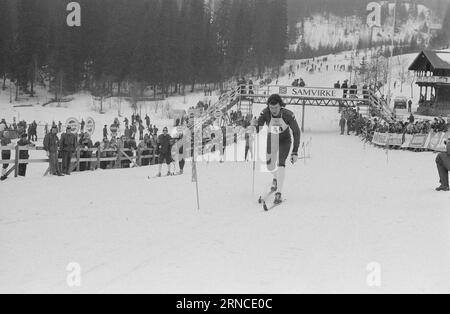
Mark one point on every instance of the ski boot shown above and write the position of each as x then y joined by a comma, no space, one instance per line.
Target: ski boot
274,186
443,188
278,200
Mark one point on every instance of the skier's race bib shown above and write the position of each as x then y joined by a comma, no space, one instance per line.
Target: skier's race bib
277,126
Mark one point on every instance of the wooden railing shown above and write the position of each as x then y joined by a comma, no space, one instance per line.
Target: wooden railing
116,161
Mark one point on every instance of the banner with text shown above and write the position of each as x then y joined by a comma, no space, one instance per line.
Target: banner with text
309,93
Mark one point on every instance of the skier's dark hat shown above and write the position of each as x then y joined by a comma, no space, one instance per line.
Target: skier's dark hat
275,99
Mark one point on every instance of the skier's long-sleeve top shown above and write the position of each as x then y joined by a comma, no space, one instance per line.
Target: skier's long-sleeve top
280,125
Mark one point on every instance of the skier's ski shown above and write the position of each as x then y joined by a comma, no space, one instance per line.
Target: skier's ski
272,206
262,199
166,176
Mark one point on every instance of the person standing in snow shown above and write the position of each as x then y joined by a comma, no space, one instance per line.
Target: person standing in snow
302,83
164,150
443,165
6,154
280,122
24,154
344,86
147,121
68,146
51,145
342,123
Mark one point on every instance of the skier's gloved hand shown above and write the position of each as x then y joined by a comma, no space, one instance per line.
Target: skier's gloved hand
294,158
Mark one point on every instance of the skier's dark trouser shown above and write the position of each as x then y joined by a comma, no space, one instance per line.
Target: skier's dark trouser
53,162
443,165
342,129
22,170
247,148
181,163
6,155
66,157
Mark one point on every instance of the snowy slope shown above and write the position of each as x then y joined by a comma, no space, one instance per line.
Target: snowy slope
348,206
331,31
83,106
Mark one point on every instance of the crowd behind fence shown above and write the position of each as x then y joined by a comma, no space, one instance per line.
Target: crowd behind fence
412,134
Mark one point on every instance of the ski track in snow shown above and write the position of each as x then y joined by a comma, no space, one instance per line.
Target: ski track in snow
349,205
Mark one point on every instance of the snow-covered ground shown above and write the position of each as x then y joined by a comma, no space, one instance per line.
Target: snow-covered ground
349,206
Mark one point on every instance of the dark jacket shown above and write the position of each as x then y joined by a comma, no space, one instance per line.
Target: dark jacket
68,142
6,154
164,146
51,143
289,118
23,154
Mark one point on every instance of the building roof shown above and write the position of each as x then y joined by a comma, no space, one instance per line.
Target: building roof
431,60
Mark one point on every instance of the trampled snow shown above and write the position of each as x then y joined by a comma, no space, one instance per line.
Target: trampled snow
349,207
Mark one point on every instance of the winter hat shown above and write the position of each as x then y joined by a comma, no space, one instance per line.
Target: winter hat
275,99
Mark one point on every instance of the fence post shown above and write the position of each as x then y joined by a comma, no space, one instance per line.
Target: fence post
119,159
78,159
154,156
16,162
98,157
139,151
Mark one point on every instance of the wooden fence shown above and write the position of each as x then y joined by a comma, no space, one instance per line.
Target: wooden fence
120,155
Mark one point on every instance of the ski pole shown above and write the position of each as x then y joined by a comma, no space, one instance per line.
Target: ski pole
254,165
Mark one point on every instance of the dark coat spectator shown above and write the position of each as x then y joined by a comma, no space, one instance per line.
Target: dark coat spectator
68,146
24,154
443,165
6,154
51,145
342,123
345,88
85,145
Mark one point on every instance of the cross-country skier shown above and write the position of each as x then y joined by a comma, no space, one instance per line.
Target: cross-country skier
164,151
280,122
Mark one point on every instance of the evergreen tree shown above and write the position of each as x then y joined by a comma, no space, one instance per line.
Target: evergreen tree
6,41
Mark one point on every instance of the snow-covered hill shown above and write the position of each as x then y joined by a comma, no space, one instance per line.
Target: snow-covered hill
348,206
328,31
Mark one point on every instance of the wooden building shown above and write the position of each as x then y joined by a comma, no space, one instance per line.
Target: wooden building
432,69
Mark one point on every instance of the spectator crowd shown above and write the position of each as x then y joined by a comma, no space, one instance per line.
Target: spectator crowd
354,122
